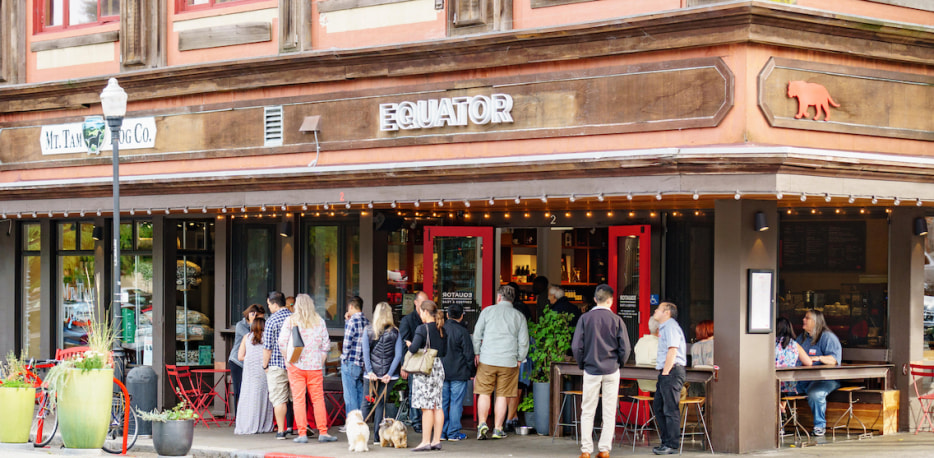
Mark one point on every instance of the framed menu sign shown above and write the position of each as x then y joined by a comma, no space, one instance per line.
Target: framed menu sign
823,246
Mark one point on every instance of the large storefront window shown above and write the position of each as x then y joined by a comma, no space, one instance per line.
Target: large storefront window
253,266
194,298
31,284
689,242
838,265
331,268
77,296
929,286
136,286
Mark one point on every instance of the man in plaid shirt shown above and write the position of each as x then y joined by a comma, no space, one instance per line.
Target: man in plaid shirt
277,378
352,356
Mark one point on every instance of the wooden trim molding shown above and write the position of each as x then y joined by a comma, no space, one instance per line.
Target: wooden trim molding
547,3
142,34
71,42
225,35
328,6
12,42
851,100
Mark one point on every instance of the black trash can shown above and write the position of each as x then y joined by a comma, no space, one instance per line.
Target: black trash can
141,383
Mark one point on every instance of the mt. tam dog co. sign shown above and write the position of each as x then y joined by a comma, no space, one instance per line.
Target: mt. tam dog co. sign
136,133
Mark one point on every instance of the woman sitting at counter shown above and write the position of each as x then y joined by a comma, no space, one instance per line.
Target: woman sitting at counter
823,346
788,353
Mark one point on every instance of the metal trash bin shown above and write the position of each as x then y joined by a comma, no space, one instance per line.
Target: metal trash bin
141,384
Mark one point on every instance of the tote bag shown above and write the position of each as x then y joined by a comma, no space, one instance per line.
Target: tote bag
298,344
422,360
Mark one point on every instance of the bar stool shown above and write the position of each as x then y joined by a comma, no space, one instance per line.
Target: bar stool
791,402
639,430
565,395
849,414
697,402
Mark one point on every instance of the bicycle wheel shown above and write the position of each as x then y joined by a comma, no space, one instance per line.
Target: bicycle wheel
46,421
114,441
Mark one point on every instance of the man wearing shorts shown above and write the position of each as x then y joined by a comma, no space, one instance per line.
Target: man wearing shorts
276,377
501,341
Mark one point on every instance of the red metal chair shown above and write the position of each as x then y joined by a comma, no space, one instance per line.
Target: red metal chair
919,371
185,388
61,354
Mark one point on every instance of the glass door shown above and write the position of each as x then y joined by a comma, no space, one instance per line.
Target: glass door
462,268
253,266
629,276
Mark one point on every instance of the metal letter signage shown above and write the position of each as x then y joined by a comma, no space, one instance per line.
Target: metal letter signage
137,133
451,111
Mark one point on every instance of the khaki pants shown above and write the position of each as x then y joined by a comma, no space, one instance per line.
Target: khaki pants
593,386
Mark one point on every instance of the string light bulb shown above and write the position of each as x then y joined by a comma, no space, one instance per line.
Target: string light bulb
82,214
600,197
393,204
283,207
517,200
416,203
544,199
737,196
629,196
467,204
851,199
148,211
262,209
695,196
132,211
223,209
897,202
492,201
918,202
658,195
779,195
572,198
326,206
347,205
98,212
440,202
242,210
65,214
369,205
804,197
204,209
185,210
827,197
875,200
167,211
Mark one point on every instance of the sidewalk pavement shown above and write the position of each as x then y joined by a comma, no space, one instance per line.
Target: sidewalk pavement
221,442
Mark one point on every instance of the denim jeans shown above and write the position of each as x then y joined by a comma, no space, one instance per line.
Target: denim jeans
452,403
817,400
352,380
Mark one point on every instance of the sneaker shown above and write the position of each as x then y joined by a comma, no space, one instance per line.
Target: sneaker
301,440
457,437
498,434
511,425
481,431
327,438
818,431
281,436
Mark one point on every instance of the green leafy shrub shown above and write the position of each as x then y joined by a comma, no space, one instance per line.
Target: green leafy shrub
551,338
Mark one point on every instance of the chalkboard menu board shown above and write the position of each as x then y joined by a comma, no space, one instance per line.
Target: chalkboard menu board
824,246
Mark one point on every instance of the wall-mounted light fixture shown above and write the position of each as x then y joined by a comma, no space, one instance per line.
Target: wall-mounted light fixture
921,226
311,124
761,223
285,229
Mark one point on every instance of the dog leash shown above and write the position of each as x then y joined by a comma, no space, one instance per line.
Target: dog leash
377,400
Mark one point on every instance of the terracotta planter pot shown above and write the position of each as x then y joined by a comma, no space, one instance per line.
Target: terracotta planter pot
16,419
173,437
84,406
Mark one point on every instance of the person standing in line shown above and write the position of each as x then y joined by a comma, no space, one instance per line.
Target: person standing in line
823,347
512,404
382,355
407,327
254,412
277,378
501,341
561,304
307,374
355,324
670,360
458,370
646,353
600,346
426,389
540,290
234,364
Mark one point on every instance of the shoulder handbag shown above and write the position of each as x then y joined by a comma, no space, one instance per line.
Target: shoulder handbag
421,361
298,344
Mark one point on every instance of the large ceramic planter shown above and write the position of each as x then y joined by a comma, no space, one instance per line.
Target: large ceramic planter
16,418
173,437
541,392
84,405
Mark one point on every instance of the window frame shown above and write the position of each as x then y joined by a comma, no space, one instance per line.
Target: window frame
347,229
39,14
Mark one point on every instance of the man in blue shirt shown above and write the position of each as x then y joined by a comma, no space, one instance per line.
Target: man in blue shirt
352,356
670,360
823,346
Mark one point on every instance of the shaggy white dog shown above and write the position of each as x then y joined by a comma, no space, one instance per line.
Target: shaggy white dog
358,433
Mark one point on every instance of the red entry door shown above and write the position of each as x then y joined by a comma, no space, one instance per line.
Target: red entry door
629,276
458,266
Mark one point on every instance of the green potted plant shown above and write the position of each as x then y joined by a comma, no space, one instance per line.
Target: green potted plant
18,397
173,430
527,407
82,386
551,340
394,398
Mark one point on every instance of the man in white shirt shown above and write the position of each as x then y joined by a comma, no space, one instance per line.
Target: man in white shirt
646,350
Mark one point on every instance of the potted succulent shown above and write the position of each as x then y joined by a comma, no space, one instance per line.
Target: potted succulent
17,396
173,430
551,340
82,386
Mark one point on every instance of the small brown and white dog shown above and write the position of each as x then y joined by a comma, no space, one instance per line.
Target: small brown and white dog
392,434
358,433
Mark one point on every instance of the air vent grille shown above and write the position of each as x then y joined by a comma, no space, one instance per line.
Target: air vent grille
272,126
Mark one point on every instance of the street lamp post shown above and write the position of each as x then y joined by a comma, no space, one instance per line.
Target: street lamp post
113,102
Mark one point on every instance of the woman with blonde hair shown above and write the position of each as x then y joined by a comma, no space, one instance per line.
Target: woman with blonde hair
306,372
382,354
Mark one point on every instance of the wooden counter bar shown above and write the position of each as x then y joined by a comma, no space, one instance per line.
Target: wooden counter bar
628,372
844,372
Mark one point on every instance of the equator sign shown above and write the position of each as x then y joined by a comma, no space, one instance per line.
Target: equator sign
449,111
